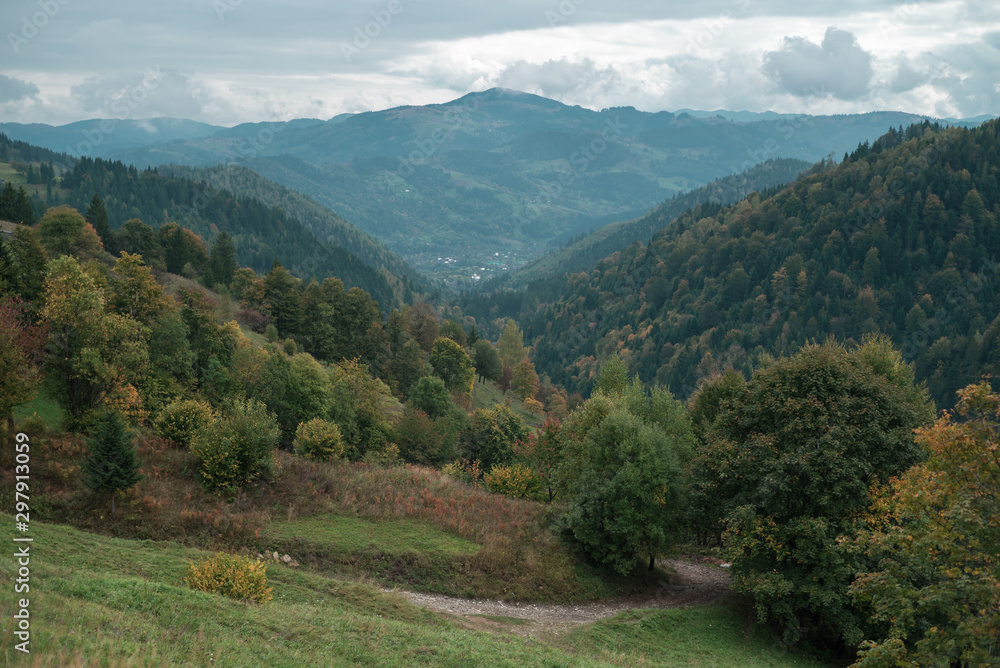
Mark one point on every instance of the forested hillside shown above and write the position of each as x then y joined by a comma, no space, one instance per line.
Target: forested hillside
544,280
604,241
262,233
901,237
323,222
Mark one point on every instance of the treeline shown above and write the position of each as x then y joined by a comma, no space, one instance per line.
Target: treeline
16,151
899,238
262,234
581,253
856,526
322,222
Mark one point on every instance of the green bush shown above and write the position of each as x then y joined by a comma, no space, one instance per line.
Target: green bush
516,480
33,425
319,439
420,440
492,436
181,420
432,397
383,457
238,447
237,577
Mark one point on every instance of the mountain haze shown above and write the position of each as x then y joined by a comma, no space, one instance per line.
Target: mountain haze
899,238
499,174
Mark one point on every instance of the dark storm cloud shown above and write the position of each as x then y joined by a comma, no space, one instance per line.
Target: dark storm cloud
838,66
12,90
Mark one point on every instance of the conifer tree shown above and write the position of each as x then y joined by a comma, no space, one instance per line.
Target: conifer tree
97,215
112,465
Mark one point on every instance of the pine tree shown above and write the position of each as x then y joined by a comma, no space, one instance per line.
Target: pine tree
222,262
112,465
97,215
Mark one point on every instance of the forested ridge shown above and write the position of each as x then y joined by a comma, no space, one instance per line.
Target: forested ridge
321,221
264,221
582,253
900,237
262,233
855,525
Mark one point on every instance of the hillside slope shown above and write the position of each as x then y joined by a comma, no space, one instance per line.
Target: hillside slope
900,238
322,222
499,173
618,236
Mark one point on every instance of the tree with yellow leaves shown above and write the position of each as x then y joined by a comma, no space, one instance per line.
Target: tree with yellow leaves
92,350
934,535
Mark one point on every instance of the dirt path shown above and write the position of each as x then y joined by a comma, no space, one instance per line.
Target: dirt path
693,584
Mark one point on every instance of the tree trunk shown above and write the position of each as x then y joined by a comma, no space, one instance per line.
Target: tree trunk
652,561
10,425
113,494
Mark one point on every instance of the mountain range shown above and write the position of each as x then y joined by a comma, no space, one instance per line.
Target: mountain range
488,181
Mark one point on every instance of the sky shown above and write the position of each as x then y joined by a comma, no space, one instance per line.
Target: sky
232,61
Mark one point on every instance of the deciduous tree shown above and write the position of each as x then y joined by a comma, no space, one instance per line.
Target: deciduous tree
525,381
933,537
486,360
92,351
453,366
789,464
21,345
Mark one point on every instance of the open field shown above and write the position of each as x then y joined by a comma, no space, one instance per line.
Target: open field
102,601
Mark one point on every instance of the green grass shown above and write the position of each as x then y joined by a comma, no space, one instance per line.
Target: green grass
715,634
102,601
353,534
485,395
46,406
11,175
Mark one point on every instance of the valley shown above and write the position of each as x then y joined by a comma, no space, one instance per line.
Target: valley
504,381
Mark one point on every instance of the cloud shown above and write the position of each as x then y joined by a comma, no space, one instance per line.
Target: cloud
12,90
838,66
148,93
906,78
563,79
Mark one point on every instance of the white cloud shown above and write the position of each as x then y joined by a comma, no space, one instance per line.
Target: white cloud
263,61
839,66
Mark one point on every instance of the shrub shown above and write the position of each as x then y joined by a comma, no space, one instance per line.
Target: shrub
238,447
419,439
431,396
181,420
462,469
516,480
492,436
33,425
237,577
534,406
271,333
384,457
255,320
319,439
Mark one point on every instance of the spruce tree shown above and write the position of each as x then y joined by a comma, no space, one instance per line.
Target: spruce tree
112,465
97,215
222,262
